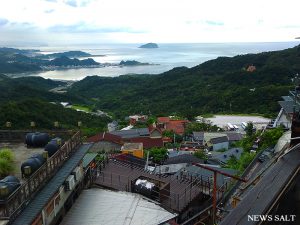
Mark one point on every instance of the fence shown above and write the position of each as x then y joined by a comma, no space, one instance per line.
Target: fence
179,194
19,135
10,207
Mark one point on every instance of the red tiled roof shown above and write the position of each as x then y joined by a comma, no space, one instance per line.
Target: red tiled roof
152,128
177,126
147,141
104,136
163,119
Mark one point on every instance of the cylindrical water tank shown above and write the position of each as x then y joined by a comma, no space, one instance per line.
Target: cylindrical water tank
51,148
36,139
8,185
28,139
39,157
33,164
57,140
40,139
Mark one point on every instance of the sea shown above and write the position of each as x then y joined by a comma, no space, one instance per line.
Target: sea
164,58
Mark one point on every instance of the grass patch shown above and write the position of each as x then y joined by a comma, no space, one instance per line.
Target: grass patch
81,107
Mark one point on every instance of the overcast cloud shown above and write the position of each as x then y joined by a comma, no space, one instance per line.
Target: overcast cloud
138,21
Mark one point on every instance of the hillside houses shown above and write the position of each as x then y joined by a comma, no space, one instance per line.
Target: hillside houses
166,123
216,140
114,140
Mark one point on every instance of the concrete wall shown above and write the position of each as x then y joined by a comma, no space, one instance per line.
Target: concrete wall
55,208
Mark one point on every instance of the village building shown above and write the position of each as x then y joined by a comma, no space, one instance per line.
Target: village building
177,126
135,149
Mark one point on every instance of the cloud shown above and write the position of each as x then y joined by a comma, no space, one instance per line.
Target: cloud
51,0
214,23
82,27
77,3
3,21
72,3
49,11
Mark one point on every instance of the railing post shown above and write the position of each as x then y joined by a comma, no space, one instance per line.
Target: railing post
178,202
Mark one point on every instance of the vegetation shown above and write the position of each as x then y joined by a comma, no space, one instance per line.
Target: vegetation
171,134
222,86
268,139
200,126
21,113
249,129
81,108
201,155
6,162
158,155
15,60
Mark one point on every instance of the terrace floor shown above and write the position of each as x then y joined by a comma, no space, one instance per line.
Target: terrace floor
21,153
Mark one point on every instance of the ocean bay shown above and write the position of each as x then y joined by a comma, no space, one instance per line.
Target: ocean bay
164,58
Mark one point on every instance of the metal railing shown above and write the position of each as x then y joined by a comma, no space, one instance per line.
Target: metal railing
10,207
19,135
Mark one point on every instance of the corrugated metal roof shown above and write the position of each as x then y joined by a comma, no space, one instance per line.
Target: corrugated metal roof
223,157
41,199
98,206
287,98
88,158
140,132
185,158
218,140
288,106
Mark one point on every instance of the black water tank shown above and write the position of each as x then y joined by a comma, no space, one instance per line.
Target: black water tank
11,179
28,139
51,148
57,140
33,163
8,185
36,139
39,157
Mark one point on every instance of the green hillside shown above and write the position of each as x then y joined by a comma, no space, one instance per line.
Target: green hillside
222,85
44,114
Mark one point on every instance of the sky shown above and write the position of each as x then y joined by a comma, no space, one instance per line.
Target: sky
61,22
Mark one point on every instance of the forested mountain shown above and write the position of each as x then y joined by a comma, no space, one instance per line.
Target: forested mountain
249,83
28,99
242,84
32,88
21,113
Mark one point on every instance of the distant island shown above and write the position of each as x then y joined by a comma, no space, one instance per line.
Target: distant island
69,54
297,38
133,63
149,45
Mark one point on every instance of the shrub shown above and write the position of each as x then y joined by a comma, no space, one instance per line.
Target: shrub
6,162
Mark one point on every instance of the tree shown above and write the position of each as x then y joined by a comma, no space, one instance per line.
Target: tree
158,154
201,155
249,129
6,162
200,126
270,137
